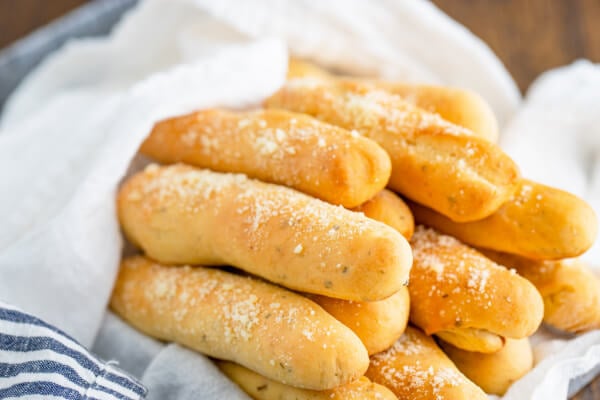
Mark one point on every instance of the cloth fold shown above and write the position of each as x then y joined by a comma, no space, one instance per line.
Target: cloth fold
168,371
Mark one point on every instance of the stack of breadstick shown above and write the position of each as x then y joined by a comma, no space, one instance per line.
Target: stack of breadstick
282,243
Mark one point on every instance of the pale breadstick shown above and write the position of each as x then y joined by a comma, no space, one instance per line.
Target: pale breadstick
467,299
494,372
261,388
273,331
377,323
434,162
415,368
275,146
538,222
183,215
389,208
459,106
570,290
298,68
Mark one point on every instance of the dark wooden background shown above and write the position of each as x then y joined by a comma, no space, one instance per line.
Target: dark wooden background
529,36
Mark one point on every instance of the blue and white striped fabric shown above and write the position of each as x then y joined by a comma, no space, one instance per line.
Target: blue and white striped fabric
38,361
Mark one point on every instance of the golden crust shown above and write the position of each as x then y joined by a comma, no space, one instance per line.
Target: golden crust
378,324
495,372
389,208
275,146
183,215
459,106
455,288
570,290
275,332
415,368
260,388
538,222
434,162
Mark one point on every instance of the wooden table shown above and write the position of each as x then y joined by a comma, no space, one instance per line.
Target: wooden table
529,36
532,36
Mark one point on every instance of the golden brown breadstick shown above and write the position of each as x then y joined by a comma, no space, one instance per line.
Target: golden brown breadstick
261,388
434,162
183,215
570,290
467,299
494,372
273,331
538,222
415,368
473,339
459,106
377,323
276,146
389,208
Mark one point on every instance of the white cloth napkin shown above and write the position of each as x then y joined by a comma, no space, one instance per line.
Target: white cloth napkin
71,129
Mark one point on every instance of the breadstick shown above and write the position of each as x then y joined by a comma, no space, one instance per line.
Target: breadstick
260,388
377,323
389,208
415,368
473,339
538,222
495,372
273,331
467,299
570,290
298,68
275,146
459,106
434,162
183,215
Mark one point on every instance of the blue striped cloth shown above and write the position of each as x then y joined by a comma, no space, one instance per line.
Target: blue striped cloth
38,361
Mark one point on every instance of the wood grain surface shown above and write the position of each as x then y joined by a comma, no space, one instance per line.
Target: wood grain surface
19,17
532,36
529,36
